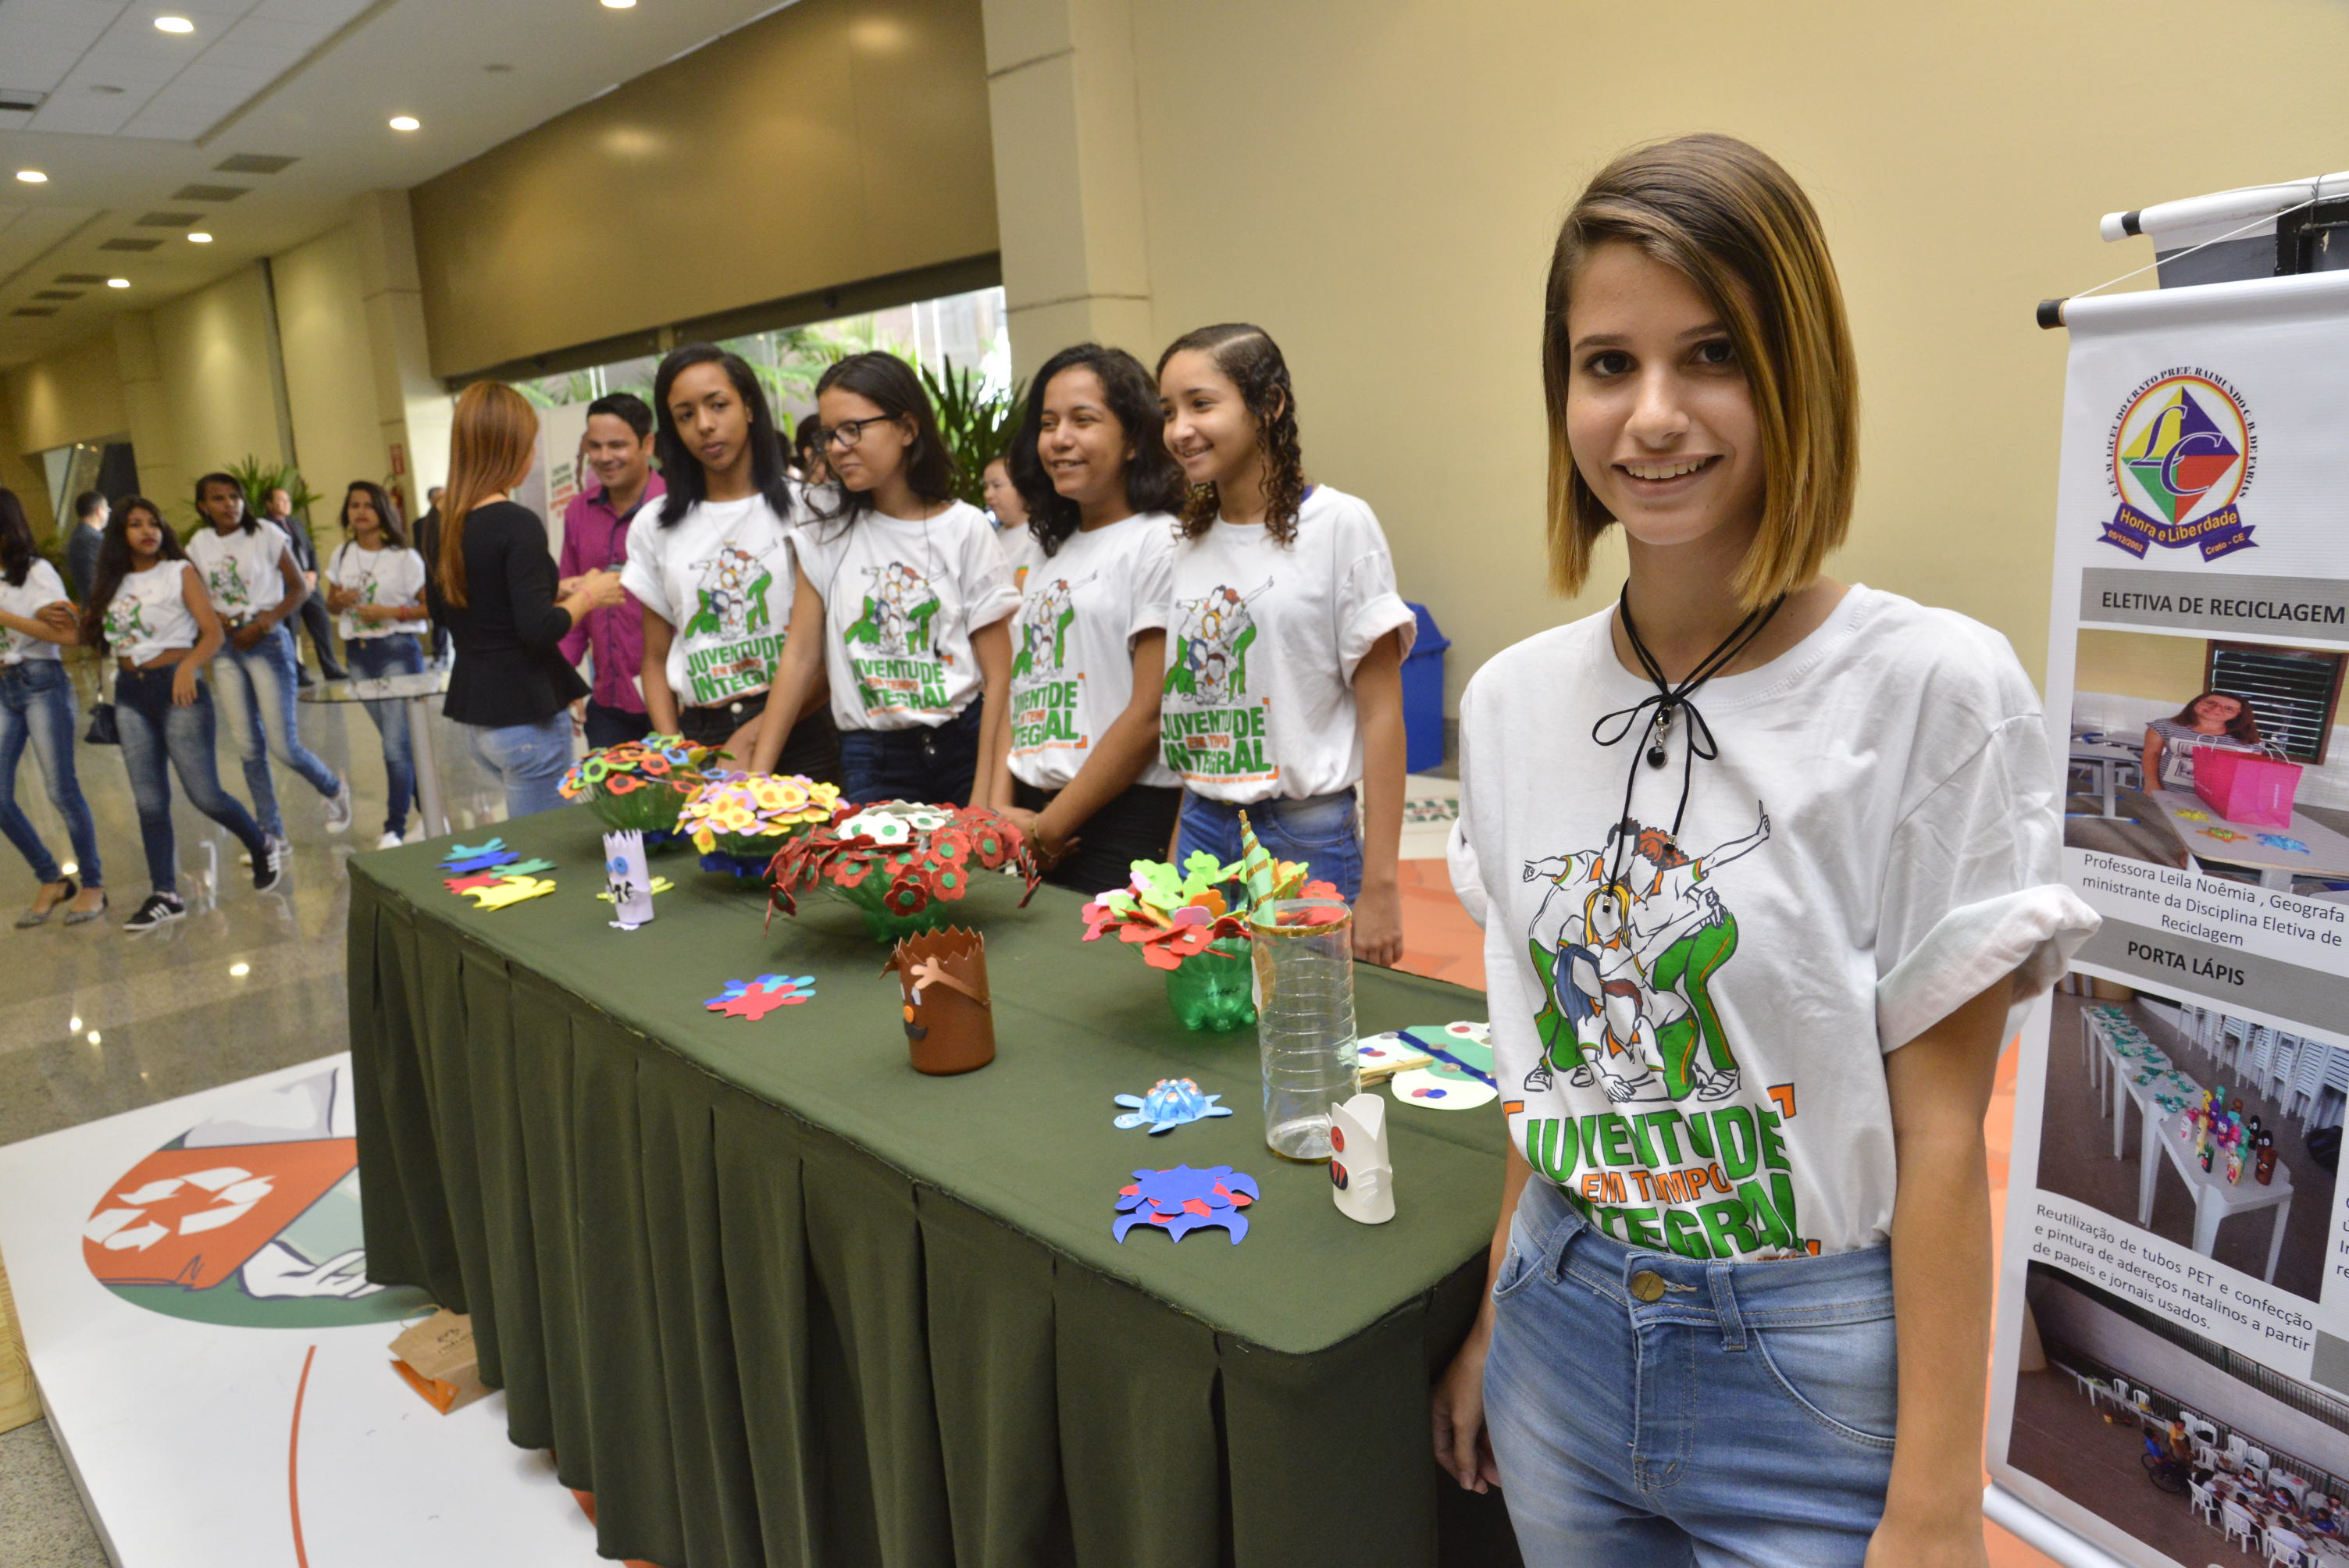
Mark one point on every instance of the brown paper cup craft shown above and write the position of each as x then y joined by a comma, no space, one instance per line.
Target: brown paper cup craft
949,1019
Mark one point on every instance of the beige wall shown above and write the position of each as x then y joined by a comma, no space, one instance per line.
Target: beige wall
834,142
2140,664
330,383
213,402
74,396
1378,182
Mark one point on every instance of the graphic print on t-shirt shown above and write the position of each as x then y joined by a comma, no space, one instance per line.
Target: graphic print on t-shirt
730,606
1044,701
126,624
1207,725
225,583
1695,1161
907,670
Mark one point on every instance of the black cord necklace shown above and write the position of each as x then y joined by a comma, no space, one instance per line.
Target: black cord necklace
1662,710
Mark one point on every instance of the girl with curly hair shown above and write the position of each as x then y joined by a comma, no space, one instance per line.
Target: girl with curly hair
1285,641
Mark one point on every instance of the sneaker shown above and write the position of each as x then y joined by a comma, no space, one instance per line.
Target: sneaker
391,841
339,806
269,871
280,842
161,909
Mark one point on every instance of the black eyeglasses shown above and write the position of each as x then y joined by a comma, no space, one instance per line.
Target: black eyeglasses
848,432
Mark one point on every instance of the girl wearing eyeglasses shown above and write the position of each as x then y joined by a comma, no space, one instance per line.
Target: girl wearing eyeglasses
1285,641
712,562
912,594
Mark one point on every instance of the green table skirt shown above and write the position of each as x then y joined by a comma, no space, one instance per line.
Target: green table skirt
761,1337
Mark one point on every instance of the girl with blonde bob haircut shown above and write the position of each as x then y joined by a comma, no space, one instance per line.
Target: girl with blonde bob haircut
493,587
1768,871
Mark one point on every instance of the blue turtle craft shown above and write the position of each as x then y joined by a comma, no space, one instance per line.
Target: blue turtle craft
1170,1103
1185,1199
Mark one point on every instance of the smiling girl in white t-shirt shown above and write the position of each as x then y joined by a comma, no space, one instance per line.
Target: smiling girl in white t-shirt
374,584
1285,641
911,592
1083,723
1770,872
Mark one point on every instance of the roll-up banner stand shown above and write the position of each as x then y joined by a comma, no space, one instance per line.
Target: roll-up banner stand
2170,1383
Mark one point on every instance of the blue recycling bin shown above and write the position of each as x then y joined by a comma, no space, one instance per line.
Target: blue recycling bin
1423,696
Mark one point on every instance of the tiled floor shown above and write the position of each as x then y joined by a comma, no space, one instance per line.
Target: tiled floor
93,1021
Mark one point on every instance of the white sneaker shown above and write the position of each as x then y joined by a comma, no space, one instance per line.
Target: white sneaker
389,840
339,806
278,842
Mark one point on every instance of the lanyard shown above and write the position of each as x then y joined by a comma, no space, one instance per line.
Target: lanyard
1661,709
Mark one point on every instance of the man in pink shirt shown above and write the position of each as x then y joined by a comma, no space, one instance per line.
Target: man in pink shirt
620,449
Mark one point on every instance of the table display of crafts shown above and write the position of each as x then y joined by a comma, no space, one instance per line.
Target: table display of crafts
2150,1066
737,821
1185,923
639,786
900,863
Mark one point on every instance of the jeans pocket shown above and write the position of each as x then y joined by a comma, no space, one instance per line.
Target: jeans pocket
1843,1375
1517,1269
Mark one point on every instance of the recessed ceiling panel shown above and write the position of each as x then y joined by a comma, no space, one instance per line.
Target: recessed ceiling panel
209,192
254,163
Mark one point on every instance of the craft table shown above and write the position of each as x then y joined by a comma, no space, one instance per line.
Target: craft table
2308,848
2215,1197
417,692
775,1298
2119,1075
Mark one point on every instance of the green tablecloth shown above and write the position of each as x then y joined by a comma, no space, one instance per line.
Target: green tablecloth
776,1298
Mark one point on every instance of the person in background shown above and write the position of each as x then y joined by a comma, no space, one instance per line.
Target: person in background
277,507
1286,639
36,706
1089,645
2214,719
248,569
427,544
1008,510
492,583
808,444
81,549
375,583
619,452
911,594
147,607
713,565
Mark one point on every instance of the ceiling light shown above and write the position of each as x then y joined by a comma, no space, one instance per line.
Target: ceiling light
94,1039
199,238
619,5
118,283
174,25
32,176
406,122
240,970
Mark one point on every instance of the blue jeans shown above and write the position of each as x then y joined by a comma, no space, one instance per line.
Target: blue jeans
154,729
932,765
256,697
529,759
1745,1416
36,704
372,658
1320,830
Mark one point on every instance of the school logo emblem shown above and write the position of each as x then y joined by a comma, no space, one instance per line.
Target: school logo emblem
2183,450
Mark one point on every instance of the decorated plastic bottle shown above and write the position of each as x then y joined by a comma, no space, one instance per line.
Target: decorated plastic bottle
1209,990
1305,1020
2265,1155
2234,1152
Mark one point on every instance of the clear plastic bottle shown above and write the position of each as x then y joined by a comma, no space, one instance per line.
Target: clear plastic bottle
1305,1020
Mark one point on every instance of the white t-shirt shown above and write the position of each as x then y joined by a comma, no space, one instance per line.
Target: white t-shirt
1072,646
240,569
901,598
1261,647
391,575
1021,552
721,577
149,613
42,587
1701,1069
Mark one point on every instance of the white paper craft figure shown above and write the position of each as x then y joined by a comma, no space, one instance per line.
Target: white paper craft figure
631,884
1360,1178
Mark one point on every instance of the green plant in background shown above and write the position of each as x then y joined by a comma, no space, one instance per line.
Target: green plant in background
977,421
259,478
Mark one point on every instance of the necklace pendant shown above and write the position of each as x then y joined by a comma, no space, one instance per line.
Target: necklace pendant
1656,755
